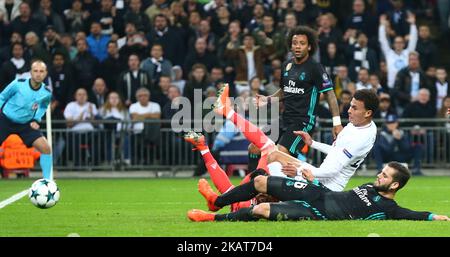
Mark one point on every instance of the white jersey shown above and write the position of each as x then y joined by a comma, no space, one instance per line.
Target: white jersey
394,61
348,151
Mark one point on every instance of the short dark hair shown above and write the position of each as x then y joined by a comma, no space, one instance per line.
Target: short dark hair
401,174
310,34
369,98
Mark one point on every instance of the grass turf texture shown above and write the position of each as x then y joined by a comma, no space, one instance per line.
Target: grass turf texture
157,207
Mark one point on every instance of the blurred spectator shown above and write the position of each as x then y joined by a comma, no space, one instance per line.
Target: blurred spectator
383,74
441,85
268,31
108,18
305,12
33,48
134,42
172,93
256,87
342,81
408,83
274,83
112,66
216,76
178,17
156,8
443,7
114,109
394,144
444,113
16,67
85,65
363,80
67,43
249,59
399,18
329,33
177,80
61,79
396,58
331,59
420,108
360,55
197,80
359,20
9,10
220,22
169,38
5,51
201,54
80,113
256,19
76,18
98,93
375,83
143,110
131,80
25,23
233,36
385,107
160,91
51,44
98,42
344,103
155,65
426,48
191,6
203,31
47,16
135,15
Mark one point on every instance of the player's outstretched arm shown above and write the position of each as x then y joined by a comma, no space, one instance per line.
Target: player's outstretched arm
441,218
334,109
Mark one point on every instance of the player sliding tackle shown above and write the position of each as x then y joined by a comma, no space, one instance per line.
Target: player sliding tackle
23,103
309,201
352,145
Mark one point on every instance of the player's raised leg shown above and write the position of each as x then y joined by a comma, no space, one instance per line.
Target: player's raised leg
250,131
218,176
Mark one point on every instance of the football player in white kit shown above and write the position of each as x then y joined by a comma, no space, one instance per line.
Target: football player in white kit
343,157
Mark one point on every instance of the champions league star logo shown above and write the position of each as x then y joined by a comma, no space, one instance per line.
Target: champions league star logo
35,106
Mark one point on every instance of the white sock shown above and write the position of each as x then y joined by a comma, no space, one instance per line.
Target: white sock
230,114
203,152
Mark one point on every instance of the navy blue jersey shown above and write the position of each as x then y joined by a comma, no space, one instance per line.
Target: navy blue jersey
302,85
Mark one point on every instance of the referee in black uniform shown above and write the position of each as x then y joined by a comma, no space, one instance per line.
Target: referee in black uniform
302,82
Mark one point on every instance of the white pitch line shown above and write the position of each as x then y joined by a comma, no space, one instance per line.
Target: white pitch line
13,198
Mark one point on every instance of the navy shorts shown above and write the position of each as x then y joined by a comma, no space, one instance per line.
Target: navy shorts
293,143
7,127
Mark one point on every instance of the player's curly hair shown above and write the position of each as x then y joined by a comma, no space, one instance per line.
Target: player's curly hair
309,33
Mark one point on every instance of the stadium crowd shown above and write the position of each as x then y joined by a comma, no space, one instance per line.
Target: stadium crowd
129,59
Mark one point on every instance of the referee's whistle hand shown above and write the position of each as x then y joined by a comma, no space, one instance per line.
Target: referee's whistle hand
305,136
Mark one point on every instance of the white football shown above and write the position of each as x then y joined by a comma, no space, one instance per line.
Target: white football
44,193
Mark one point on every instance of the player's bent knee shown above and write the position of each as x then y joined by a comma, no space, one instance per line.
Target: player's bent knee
261,184
262,210
253,149
42,146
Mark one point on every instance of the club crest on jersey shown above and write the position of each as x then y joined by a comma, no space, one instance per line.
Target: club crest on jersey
302,76
288,66
35,106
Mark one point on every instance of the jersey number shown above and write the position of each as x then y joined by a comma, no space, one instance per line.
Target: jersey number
300,185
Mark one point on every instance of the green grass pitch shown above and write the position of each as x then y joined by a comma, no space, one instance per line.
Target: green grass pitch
157,207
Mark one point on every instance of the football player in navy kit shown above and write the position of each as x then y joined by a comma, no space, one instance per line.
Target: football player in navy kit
302,82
